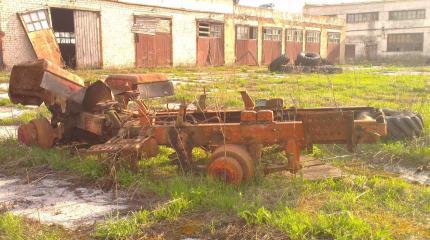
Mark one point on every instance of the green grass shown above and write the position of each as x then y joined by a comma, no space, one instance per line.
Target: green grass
367,204
16,228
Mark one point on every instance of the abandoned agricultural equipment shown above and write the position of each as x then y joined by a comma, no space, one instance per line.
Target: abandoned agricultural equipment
98,119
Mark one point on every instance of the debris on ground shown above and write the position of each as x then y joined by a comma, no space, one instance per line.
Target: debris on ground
53,201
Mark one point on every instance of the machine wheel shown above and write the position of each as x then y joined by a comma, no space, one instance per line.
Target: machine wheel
240,154
403,124
308,59
227,169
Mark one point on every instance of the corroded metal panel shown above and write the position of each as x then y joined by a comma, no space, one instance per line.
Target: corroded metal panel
88,41
39,31
292,49
210,44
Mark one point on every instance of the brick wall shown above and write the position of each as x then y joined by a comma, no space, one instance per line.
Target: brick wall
118,44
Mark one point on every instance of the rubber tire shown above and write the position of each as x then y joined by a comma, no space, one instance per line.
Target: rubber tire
238,153
308,59
325,61
275,65
403,125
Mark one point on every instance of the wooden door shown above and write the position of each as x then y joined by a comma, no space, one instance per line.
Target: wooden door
246,45
38,27
88,41
313,40
349,51
293,43
333,47
153,42
210,44
272,44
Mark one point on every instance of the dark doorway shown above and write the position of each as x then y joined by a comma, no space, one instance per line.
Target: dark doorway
64,31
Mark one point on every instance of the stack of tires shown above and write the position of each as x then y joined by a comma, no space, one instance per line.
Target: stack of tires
305,62
280,64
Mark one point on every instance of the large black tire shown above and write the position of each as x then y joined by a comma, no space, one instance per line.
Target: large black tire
308,59
275,65
325,61
403,125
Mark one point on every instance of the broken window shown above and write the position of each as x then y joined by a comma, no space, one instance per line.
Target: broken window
246,33
65,37
294,35
272,34
312,37
404,42
210,30
150,26
408,14
362,17
333,37
35,21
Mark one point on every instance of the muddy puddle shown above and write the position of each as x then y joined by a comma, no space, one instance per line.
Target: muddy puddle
415,175
53,201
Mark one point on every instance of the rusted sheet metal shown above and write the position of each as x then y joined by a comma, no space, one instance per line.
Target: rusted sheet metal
39,31
210,51
88,39
120,83
271,50
30,81
313,42
246,52
92,123
155,90
163,48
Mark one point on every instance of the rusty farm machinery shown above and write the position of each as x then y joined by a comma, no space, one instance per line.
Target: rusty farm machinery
97,118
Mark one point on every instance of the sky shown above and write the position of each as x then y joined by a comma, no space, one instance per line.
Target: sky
292,5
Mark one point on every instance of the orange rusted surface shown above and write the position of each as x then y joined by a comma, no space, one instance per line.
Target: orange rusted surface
227,169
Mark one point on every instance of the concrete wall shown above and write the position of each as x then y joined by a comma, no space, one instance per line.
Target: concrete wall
362,34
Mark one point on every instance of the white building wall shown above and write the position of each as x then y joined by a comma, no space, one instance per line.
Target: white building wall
118,42
361,34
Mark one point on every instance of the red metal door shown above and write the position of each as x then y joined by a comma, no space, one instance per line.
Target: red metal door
272,45
163,49
333,47
246,45
293,43
210,44
145,51
153,42
271,50
313,41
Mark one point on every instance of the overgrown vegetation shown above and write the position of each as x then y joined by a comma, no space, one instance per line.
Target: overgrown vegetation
366,204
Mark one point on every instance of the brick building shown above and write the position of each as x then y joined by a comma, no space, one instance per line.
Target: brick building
383,30
146,33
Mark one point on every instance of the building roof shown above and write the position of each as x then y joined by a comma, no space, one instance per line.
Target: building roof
308,5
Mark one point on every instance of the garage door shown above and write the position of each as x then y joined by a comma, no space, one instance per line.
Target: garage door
210,44
313,39
293,43
272,44
246,45
333,47
153,42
